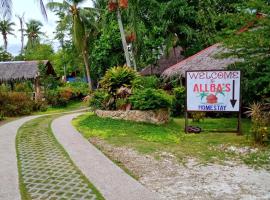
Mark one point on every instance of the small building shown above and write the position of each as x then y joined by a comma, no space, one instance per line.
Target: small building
163,63
16,71
207,59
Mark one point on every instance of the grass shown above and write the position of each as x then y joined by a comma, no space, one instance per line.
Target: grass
73,105
151,139
36,127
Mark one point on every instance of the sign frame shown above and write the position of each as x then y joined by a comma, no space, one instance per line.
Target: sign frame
238,129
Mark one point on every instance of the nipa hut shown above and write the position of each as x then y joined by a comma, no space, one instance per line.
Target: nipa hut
207,59
14,71
163,63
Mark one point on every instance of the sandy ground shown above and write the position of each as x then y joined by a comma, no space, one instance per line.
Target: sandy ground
173,180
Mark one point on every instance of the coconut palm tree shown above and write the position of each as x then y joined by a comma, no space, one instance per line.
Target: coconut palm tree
33,32
6,29
6,8
83,27
21,20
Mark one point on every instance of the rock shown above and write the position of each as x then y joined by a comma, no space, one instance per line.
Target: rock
160,116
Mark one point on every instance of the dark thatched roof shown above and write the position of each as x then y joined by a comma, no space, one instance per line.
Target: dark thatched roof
164,62
22,70
203,60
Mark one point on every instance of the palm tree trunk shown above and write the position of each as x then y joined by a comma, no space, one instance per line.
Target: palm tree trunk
86,63
22,35
124,42
5,41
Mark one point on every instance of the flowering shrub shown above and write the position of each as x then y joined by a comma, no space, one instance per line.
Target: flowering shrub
15,104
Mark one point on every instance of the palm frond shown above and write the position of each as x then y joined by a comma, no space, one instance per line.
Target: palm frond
6,8
42,9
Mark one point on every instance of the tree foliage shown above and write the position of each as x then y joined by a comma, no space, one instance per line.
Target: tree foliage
33,33
4,55
253,46
39,52
6,29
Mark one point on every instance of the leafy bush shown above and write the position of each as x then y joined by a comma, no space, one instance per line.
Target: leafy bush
148,82
117,77
121,104
4,88
56,98
260,117
23,87
150,99
65,93
79,88
2,117
178,101
15,104
40,106
100,99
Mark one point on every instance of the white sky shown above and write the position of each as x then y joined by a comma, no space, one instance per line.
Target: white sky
32,11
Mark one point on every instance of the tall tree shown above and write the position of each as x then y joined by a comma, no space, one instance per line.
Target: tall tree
21,20
33,32
6,29
80,32
252,45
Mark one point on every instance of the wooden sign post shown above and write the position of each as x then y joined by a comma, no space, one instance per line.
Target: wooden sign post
213,91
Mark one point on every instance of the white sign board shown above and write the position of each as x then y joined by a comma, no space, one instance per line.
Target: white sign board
217,91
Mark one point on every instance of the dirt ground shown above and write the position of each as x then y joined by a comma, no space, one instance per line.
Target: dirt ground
175,181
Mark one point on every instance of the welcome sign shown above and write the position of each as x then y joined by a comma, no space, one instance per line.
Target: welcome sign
213,91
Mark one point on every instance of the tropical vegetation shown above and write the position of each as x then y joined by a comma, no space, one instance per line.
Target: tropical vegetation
136,33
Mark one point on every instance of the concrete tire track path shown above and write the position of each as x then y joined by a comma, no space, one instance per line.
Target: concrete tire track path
111,181
9,178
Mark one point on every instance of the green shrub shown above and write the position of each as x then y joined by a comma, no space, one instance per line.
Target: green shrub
150,99
117,77
79,88
56,98
23,87
15,104
100,100
2,117
178,101
121,104
148,82
4,88
40,106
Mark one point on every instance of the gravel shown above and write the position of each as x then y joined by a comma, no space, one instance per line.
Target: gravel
192,180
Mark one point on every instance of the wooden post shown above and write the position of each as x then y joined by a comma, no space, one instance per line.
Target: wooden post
239,131
37,89
186,121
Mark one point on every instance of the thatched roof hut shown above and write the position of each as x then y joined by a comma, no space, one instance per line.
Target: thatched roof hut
163,63
203,60
22,70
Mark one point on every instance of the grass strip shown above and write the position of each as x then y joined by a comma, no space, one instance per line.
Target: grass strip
37,134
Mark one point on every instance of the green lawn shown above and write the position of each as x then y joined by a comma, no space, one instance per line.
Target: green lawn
73,105
148,138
